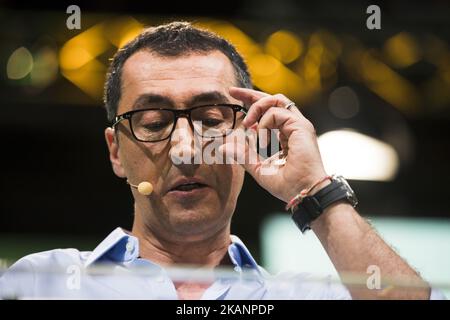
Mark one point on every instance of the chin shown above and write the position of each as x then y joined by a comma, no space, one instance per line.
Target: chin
196,223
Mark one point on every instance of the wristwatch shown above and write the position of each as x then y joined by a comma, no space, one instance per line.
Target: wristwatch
313,206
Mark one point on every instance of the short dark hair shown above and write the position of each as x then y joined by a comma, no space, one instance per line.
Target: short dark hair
170,40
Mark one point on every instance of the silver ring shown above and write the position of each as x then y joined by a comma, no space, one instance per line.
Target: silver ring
289,105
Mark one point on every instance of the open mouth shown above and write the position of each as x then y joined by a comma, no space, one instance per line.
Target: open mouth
189,186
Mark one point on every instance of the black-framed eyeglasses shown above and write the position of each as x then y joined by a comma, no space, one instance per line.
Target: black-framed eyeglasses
157,124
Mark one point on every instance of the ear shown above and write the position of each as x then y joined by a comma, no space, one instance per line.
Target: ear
113,147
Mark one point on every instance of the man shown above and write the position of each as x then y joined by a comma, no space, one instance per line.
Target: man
159,88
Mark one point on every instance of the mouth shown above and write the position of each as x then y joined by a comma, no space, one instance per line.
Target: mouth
189,186
189,190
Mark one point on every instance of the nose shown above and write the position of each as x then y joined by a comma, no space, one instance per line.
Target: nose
185,145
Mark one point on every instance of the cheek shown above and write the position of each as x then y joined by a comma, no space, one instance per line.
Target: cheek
143,162
230,181
238,180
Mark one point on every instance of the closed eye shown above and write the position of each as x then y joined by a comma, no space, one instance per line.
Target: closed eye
156,125
211,122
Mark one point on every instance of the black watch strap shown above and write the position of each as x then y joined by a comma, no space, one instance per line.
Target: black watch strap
312,207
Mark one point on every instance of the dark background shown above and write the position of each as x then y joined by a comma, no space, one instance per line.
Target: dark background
56,178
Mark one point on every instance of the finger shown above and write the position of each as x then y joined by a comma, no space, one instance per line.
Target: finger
296,110
285,121
248,96
261,106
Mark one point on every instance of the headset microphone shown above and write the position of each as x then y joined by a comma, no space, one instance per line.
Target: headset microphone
145,188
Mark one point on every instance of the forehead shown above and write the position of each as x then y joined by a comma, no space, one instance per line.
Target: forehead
178,78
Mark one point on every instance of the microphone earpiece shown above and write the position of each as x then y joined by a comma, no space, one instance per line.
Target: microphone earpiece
145,188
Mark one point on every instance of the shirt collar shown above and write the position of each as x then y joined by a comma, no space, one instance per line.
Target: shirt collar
240,255
120,246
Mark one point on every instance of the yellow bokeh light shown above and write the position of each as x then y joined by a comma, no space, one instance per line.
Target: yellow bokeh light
129,35
89,78
284,45
402,50
330,44
84,47
263,65
268,73
388,84
73,56
121,31
243,43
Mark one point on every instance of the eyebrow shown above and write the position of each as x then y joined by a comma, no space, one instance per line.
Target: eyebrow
204,97
211,96
151,98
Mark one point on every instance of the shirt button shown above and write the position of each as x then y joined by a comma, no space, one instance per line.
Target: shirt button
129,246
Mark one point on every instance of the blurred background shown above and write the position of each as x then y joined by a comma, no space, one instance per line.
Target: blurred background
379,99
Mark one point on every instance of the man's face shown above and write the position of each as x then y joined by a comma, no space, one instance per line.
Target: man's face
150,80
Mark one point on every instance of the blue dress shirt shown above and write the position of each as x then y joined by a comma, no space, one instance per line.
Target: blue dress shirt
71,274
